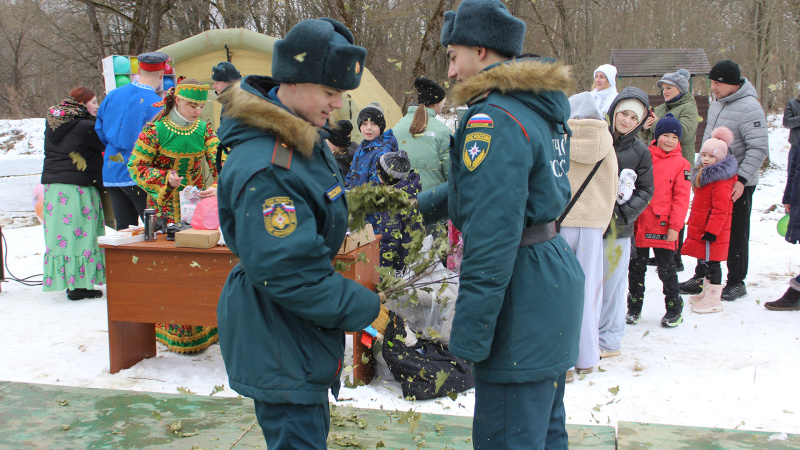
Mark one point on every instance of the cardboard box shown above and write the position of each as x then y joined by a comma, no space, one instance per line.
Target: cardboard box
193,238
356,239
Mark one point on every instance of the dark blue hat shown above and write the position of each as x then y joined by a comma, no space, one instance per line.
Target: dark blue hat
226,72
319,51
668,124
484,23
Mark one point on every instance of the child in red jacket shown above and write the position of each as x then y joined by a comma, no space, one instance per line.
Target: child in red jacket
658,226
709,229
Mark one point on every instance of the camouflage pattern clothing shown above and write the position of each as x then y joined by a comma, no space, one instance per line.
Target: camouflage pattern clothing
396,228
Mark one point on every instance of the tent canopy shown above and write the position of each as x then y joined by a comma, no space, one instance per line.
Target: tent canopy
251,53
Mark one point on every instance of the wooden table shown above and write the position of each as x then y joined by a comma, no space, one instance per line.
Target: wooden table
153,282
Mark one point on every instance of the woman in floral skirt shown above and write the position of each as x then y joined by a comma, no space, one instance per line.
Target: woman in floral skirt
73,214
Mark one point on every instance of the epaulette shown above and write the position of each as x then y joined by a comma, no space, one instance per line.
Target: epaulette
479,98
282,155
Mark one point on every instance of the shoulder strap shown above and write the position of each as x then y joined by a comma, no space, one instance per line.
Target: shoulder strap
282,155
580,191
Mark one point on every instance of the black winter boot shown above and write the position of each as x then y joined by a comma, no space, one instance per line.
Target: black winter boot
790,301
80,294
673,316
692,286
732,291
634,309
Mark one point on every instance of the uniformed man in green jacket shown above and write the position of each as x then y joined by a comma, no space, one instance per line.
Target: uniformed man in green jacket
520,299
283,311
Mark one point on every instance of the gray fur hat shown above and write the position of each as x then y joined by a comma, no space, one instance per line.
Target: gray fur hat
484,23
679,79
583,106
226,72
319,51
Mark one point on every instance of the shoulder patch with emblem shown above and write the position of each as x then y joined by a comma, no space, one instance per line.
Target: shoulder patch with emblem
686,174
757,123
280,217
480,121
476,146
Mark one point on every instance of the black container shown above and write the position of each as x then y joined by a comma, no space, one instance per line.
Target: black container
149,224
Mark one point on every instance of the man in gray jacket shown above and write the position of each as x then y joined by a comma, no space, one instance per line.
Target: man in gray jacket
736,106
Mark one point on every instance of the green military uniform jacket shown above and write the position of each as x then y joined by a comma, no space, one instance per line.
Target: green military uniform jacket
518,312
429,151
283,311
685,110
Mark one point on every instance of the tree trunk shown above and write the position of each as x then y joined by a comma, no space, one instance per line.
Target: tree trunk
429,44
91,12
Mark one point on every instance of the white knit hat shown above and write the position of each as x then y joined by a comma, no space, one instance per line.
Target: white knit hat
609,71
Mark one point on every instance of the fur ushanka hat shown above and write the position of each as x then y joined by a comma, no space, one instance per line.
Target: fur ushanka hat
484,23
319,51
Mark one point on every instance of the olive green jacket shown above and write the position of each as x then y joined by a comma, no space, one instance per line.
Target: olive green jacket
685,110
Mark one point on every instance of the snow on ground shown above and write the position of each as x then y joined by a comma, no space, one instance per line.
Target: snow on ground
733,369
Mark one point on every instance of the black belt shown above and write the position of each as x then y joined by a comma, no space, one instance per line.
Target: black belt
537,234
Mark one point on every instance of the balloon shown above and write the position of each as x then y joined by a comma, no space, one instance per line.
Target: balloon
134,64
783,225
167,69
169,82
122,64
122,80
38,202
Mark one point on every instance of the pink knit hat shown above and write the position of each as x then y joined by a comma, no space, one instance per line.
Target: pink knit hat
718,144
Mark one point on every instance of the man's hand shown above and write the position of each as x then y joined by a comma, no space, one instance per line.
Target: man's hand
787,207
672,235
738,190
382,296
173,179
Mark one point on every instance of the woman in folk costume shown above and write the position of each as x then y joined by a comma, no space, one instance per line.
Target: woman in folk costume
169,153
166,159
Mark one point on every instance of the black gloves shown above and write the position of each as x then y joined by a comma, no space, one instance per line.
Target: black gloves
709,237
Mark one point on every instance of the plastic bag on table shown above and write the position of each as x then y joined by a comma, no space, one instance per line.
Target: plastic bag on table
189,198
206,215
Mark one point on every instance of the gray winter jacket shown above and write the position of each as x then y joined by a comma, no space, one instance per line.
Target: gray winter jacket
742,113
791,120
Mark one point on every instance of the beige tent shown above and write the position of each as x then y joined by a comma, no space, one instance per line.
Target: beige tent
251,53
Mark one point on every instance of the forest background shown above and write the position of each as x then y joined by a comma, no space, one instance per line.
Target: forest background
50,46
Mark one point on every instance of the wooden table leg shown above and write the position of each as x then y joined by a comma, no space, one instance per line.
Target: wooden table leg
129,343
361,370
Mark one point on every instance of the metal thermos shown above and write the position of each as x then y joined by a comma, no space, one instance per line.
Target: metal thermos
149,224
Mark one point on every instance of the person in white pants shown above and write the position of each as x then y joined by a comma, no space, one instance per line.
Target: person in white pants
591,158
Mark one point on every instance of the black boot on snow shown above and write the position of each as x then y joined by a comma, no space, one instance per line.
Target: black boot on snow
80,294
634,309
673,316
790,301
692,286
